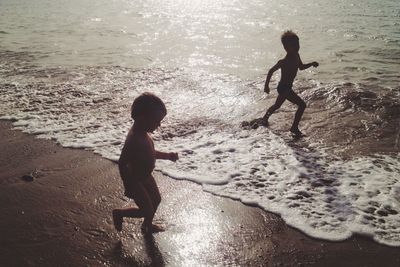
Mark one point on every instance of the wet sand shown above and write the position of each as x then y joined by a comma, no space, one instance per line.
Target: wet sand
63,218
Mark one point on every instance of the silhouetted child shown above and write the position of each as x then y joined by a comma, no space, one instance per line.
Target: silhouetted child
137,162
289,66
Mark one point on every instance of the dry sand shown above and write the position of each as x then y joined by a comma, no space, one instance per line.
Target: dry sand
63,218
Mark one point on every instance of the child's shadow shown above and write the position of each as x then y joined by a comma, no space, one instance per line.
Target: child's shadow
151,248
321,174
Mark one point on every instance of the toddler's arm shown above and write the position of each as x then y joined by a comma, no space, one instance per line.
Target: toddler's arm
123,164
164,155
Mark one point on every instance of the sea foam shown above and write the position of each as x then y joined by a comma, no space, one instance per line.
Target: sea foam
315,192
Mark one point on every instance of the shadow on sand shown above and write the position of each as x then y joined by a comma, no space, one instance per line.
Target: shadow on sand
136,258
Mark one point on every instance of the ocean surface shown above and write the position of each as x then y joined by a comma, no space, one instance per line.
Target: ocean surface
69,71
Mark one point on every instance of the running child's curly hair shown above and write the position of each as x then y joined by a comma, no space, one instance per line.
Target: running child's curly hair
288,38
146,104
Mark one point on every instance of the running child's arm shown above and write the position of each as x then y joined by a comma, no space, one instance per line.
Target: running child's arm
164,155
269,75
308,65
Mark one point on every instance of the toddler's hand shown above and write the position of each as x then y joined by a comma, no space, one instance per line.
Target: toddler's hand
315,64
173,156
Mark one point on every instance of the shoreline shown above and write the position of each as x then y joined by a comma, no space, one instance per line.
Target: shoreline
63,218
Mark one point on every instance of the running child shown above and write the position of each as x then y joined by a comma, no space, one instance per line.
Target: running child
288,66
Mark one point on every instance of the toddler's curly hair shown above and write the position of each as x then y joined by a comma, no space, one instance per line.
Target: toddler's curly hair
146,104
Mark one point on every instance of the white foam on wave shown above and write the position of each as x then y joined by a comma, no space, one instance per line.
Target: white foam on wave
321,195
210,157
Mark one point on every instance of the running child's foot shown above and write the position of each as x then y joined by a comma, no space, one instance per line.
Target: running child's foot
117,220
254,125
154,228
296,132
263,122
245,124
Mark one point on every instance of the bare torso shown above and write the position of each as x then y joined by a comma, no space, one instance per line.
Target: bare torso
289,67
138,154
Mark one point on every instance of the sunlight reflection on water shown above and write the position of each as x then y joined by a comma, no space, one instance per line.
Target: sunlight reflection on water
203,236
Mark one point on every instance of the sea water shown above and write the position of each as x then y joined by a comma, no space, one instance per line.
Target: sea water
69,71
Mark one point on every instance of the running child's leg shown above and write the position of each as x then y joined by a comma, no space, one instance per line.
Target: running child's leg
278,103
295,99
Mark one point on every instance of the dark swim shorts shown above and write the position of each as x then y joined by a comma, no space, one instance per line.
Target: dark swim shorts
284,88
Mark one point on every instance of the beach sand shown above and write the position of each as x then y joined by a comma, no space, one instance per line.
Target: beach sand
63,218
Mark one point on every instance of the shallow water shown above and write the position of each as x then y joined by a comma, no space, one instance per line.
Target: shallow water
70,74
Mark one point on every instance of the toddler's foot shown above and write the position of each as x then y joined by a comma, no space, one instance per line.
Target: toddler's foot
296,132
117,220
154,228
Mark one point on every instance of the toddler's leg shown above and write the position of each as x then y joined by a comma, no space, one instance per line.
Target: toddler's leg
278,103
154,194
143,201
295,99
153,191
119,214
